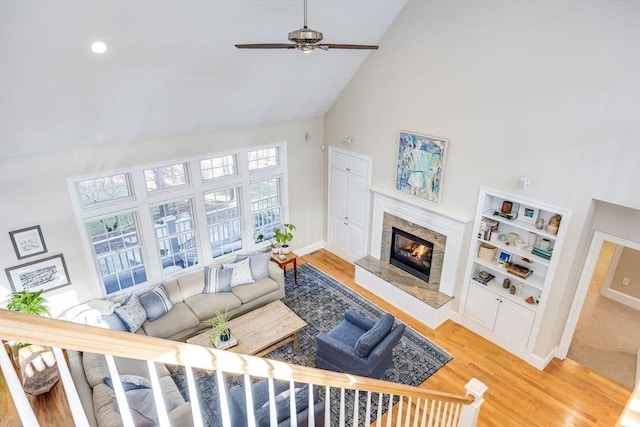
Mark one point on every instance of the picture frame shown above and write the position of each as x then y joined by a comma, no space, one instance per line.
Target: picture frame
504,257
28,242
527,214
46,274
420,165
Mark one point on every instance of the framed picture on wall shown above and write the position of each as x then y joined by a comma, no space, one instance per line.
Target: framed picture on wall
420,162
28,242
46,274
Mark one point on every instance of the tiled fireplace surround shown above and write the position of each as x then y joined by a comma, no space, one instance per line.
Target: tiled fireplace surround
428,302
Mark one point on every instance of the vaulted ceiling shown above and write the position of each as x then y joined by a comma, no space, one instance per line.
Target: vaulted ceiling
171,66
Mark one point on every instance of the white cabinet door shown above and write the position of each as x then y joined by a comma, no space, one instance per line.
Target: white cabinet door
349,205
339,193
482,306
514,322
358,200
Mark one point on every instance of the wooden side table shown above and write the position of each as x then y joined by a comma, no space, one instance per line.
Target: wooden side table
291,258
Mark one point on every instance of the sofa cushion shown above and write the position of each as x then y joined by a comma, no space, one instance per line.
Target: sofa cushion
143,407
179,319
191,283
96,370
259,263
217,280
370,339
130,382
251,291
156,303
131,313
204,306
241,272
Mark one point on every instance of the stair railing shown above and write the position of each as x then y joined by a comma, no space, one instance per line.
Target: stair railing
415,406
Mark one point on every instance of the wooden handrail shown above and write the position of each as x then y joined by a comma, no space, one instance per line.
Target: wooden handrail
22,327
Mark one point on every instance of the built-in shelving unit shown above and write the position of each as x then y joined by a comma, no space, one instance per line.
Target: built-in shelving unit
512,261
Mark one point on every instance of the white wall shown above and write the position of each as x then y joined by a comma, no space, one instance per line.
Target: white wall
549,90
34,191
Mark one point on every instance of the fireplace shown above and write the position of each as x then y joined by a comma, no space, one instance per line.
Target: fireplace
411,253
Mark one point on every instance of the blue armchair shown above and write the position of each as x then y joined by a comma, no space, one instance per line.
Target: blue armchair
358,345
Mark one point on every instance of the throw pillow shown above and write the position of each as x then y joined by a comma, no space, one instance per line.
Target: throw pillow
143,407
283,402
241,272
217,280
370,339
130,382
259,264
131,313
156,303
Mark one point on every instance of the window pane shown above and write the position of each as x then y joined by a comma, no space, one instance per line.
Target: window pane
218,167
104,189
223,218
165,177
265,207
265,158
117,251
175,234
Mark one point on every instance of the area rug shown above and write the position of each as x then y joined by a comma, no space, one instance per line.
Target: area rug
321,301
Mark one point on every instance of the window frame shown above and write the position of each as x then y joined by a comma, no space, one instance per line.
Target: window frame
141,202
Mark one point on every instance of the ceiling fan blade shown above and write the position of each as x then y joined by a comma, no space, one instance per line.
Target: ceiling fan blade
347,46
266,46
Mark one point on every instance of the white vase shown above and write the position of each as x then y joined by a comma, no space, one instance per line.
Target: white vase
286,249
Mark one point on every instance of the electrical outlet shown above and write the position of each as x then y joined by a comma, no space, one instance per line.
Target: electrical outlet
625,281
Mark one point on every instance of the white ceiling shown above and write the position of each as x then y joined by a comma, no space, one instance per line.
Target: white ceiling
171,66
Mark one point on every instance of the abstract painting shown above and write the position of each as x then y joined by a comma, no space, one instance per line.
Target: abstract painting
421,160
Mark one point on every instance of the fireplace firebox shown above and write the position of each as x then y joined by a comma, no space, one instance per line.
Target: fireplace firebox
411,253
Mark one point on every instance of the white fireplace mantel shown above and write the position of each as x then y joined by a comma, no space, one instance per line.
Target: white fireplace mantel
450,226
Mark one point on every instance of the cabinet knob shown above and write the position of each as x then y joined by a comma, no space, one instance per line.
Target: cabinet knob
346,223
348,169
346,217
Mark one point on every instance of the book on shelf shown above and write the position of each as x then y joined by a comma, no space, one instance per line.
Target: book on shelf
483,277
487,227
509,216
518,270
542,253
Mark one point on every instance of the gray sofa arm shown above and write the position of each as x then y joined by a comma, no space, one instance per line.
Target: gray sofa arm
276,273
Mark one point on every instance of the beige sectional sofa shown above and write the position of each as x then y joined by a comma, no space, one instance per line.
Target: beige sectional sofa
190,307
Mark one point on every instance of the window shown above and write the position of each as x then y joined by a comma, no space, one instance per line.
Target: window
223,219
105,189
175,234
218,167
117,250
263,158
265,207
145,223
165,177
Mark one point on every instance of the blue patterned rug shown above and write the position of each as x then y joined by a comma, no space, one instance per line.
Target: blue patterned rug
321,301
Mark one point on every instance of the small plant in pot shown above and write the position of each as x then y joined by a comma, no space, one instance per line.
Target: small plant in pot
29,302
219,327
284,235
273,245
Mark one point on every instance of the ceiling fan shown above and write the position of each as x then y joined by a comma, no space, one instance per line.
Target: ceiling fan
306,40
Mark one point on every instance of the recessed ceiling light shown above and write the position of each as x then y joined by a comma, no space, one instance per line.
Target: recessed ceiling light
98,47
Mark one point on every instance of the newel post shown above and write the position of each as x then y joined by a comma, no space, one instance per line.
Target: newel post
469,415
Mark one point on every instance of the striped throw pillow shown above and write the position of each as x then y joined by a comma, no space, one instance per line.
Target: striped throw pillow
156,303
217,280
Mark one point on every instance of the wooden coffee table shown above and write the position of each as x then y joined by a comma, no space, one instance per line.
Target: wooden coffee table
260,331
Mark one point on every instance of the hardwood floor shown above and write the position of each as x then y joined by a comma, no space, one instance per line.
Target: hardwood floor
564,394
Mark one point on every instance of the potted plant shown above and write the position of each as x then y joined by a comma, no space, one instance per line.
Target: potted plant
30,302
284,235
219,327
41,381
